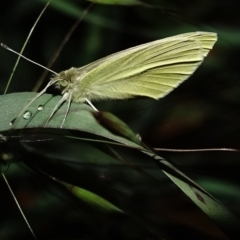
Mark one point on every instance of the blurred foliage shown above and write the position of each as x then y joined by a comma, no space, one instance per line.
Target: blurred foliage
201,113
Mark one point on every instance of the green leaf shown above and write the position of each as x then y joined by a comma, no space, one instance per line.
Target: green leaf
224,219
117,126
79,118
92,198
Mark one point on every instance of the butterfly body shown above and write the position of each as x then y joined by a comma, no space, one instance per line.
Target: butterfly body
152,70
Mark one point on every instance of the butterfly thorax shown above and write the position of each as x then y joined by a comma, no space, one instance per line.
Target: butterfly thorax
68,81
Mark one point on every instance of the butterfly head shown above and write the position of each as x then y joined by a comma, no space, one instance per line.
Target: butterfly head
65,79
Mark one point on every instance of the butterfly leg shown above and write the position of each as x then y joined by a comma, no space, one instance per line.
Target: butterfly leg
91,105
64,98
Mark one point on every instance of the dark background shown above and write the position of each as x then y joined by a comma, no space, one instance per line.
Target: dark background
202,113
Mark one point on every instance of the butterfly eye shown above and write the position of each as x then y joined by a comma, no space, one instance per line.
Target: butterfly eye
63,83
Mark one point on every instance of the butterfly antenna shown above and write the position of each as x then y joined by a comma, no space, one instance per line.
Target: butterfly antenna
18,205
20,55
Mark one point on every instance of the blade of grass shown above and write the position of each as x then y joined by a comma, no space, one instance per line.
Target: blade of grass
24,46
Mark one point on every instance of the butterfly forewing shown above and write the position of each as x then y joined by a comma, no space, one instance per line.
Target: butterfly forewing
152,69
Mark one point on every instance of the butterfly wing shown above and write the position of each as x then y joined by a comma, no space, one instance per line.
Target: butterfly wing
153,69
